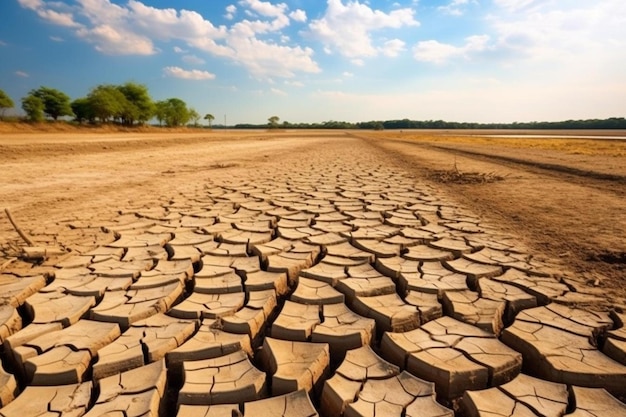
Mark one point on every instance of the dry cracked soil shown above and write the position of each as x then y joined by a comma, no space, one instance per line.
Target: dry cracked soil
310,273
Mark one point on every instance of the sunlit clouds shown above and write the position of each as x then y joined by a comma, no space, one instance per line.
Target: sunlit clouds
336,59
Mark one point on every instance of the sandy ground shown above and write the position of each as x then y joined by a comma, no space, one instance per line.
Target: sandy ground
565,203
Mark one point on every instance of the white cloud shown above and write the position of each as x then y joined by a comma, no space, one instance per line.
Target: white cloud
347,74
117,41
134,28
276,12
265,8
347,28
298,15
278,92
516,5
595,30
179,50
193,60
240,43
57,18
454,8
21,74
230,12
57,39
393,48
435,51
168,24
46,12
178,72
102,11
294,83
476,43
438,53
111,30
265,59
358,62
31,4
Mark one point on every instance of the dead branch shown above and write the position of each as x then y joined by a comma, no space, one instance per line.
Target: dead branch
19,231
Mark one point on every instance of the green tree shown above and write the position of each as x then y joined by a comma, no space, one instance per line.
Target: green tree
273,122
173,112
83,110
209,117
107,103
34,107
139,107
160,111
56,103
379,126
5,103
194,116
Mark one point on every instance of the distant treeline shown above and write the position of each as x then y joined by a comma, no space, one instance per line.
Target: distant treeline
611,123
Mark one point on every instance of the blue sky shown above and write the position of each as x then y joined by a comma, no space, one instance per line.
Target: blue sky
317,60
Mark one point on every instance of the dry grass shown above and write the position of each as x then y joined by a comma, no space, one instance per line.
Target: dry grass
222,165
574,146
455,176
64,127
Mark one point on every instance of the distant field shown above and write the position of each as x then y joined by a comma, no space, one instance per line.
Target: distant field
571,145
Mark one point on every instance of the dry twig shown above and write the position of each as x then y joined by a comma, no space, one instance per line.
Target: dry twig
19,231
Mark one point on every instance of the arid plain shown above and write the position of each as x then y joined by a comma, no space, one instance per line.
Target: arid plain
243,270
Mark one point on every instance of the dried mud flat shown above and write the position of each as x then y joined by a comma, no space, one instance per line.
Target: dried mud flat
301,274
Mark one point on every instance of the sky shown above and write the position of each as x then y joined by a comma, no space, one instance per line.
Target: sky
244,61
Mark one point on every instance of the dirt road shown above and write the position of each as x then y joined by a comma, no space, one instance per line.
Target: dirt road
251,269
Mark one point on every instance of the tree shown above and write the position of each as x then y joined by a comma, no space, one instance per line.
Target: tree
5,103
273,122
139,106
172,111
209,117
34,107
55,102
106,103
83,110
194,116
160,111
379,126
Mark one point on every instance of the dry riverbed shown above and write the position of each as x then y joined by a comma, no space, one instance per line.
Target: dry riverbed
304,272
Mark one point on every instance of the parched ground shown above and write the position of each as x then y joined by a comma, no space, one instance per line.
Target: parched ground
562,196
295,273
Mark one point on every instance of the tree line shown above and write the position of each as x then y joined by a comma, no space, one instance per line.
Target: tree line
600,124
127,104
130,104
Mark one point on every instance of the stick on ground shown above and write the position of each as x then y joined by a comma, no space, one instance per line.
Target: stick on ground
19,231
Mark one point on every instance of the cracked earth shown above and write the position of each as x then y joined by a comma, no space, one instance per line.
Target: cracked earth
306,275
